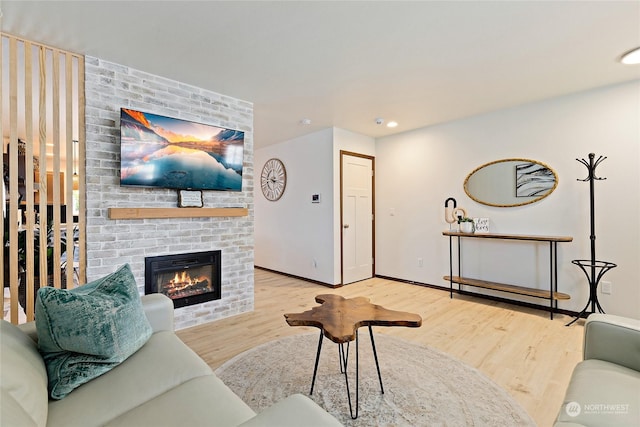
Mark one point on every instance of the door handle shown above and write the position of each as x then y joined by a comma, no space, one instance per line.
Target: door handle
345,226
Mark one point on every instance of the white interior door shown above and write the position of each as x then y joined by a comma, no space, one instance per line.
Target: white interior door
357,218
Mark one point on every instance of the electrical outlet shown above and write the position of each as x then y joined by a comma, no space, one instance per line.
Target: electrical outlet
606,288
420,262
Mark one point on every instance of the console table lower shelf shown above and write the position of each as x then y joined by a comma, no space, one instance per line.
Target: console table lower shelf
512,289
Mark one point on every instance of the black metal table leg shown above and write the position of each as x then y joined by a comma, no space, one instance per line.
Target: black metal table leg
375,356
555,271
551,271
343,356
315,369
459,261
450,267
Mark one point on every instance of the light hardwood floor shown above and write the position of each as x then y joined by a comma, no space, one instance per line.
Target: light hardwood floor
520,349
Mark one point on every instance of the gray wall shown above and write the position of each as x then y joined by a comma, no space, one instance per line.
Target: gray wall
111,243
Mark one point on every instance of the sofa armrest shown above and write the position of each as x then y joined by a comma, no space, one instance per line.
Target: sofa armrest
613,339
159,311
293,411
29,328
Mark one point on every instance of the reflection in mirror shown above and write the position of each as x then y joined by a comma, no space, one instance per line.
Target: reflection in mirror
510,182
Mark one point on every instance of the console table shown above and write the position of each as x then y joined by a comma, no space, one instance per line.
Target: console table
552,294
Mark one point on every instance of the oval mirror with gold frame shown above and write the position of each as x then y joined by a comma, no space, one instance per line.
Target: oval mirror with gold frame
510,182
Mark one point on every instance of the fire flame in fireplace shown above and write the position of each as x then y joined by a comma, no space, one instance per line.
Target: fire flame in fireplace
182,278
182,285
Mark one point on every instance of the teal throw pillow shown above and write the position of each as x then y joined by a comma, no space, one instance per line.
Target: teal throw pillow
86,331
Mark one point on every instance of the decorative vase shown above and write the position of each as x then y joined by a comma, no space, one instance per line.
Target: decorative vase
466,227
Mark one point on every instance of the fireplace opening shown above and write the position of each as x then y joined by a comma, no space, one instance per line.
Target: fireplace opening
187,279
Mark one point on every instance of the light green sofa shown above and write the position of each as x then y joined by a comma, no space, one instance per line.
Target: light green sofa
605,387
163,384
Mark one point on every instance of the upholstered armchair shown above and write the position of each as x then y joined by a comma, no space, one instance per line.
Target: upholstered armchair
605,387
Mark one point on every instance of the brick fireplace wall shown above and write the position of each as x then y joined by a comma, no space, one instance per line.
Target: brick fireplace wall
111,243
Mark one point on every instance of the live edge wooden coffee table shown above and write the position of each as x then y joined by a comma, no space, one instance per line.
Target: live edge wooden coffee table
339,318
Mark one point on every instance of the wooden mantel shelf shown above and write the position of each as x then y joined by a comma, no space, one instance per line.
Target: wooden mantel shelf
150,213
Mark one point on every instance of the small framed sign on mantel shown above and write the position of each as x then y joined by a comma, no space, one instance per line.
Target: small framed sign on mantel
190,199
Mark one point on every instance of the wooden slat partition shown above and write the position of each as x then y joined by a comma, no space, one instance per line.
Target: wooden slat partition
56,169
13,179
43,190
45,88
82,219
68,73
30,215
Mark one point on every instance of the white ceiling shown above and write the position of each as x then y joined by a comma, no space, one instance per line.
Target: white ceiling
343,63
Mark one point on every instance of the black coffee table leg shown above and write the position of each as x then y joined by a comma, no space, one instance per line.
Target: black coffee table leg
375,356
344,359
315,369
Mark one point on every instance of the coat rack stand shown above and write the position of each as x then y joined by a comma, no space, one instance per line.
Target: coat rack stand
592,268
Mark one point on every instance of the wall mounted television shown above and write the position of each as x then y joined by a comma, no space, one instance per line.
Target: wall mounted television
159,151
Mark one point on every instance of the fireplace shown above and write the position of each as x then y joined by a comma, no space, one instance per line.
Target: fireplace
187,279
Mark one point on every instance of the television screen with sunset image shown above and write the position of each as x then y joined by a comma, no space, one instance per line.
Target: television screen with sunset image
159,151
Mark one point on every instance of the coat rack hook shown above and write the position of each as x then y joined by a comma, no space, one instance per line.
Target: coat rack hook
591,167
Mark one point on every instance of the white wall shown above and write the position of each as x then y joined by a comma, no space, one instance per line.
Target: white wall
417,171
292,234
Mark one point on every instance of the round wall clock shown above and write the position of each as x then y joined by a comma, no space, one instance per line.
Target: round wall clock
273,179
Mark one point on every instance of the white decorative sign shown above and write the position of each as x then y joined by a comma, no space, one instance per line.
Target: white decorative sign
190,199
481,225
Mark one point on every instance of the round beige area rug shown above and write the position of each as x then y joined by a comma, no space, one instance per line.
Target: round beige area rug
422,386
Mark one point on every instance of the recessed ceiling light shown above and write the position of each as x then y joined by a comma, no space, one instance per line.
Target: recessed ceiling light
632,57
392,124
305,122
